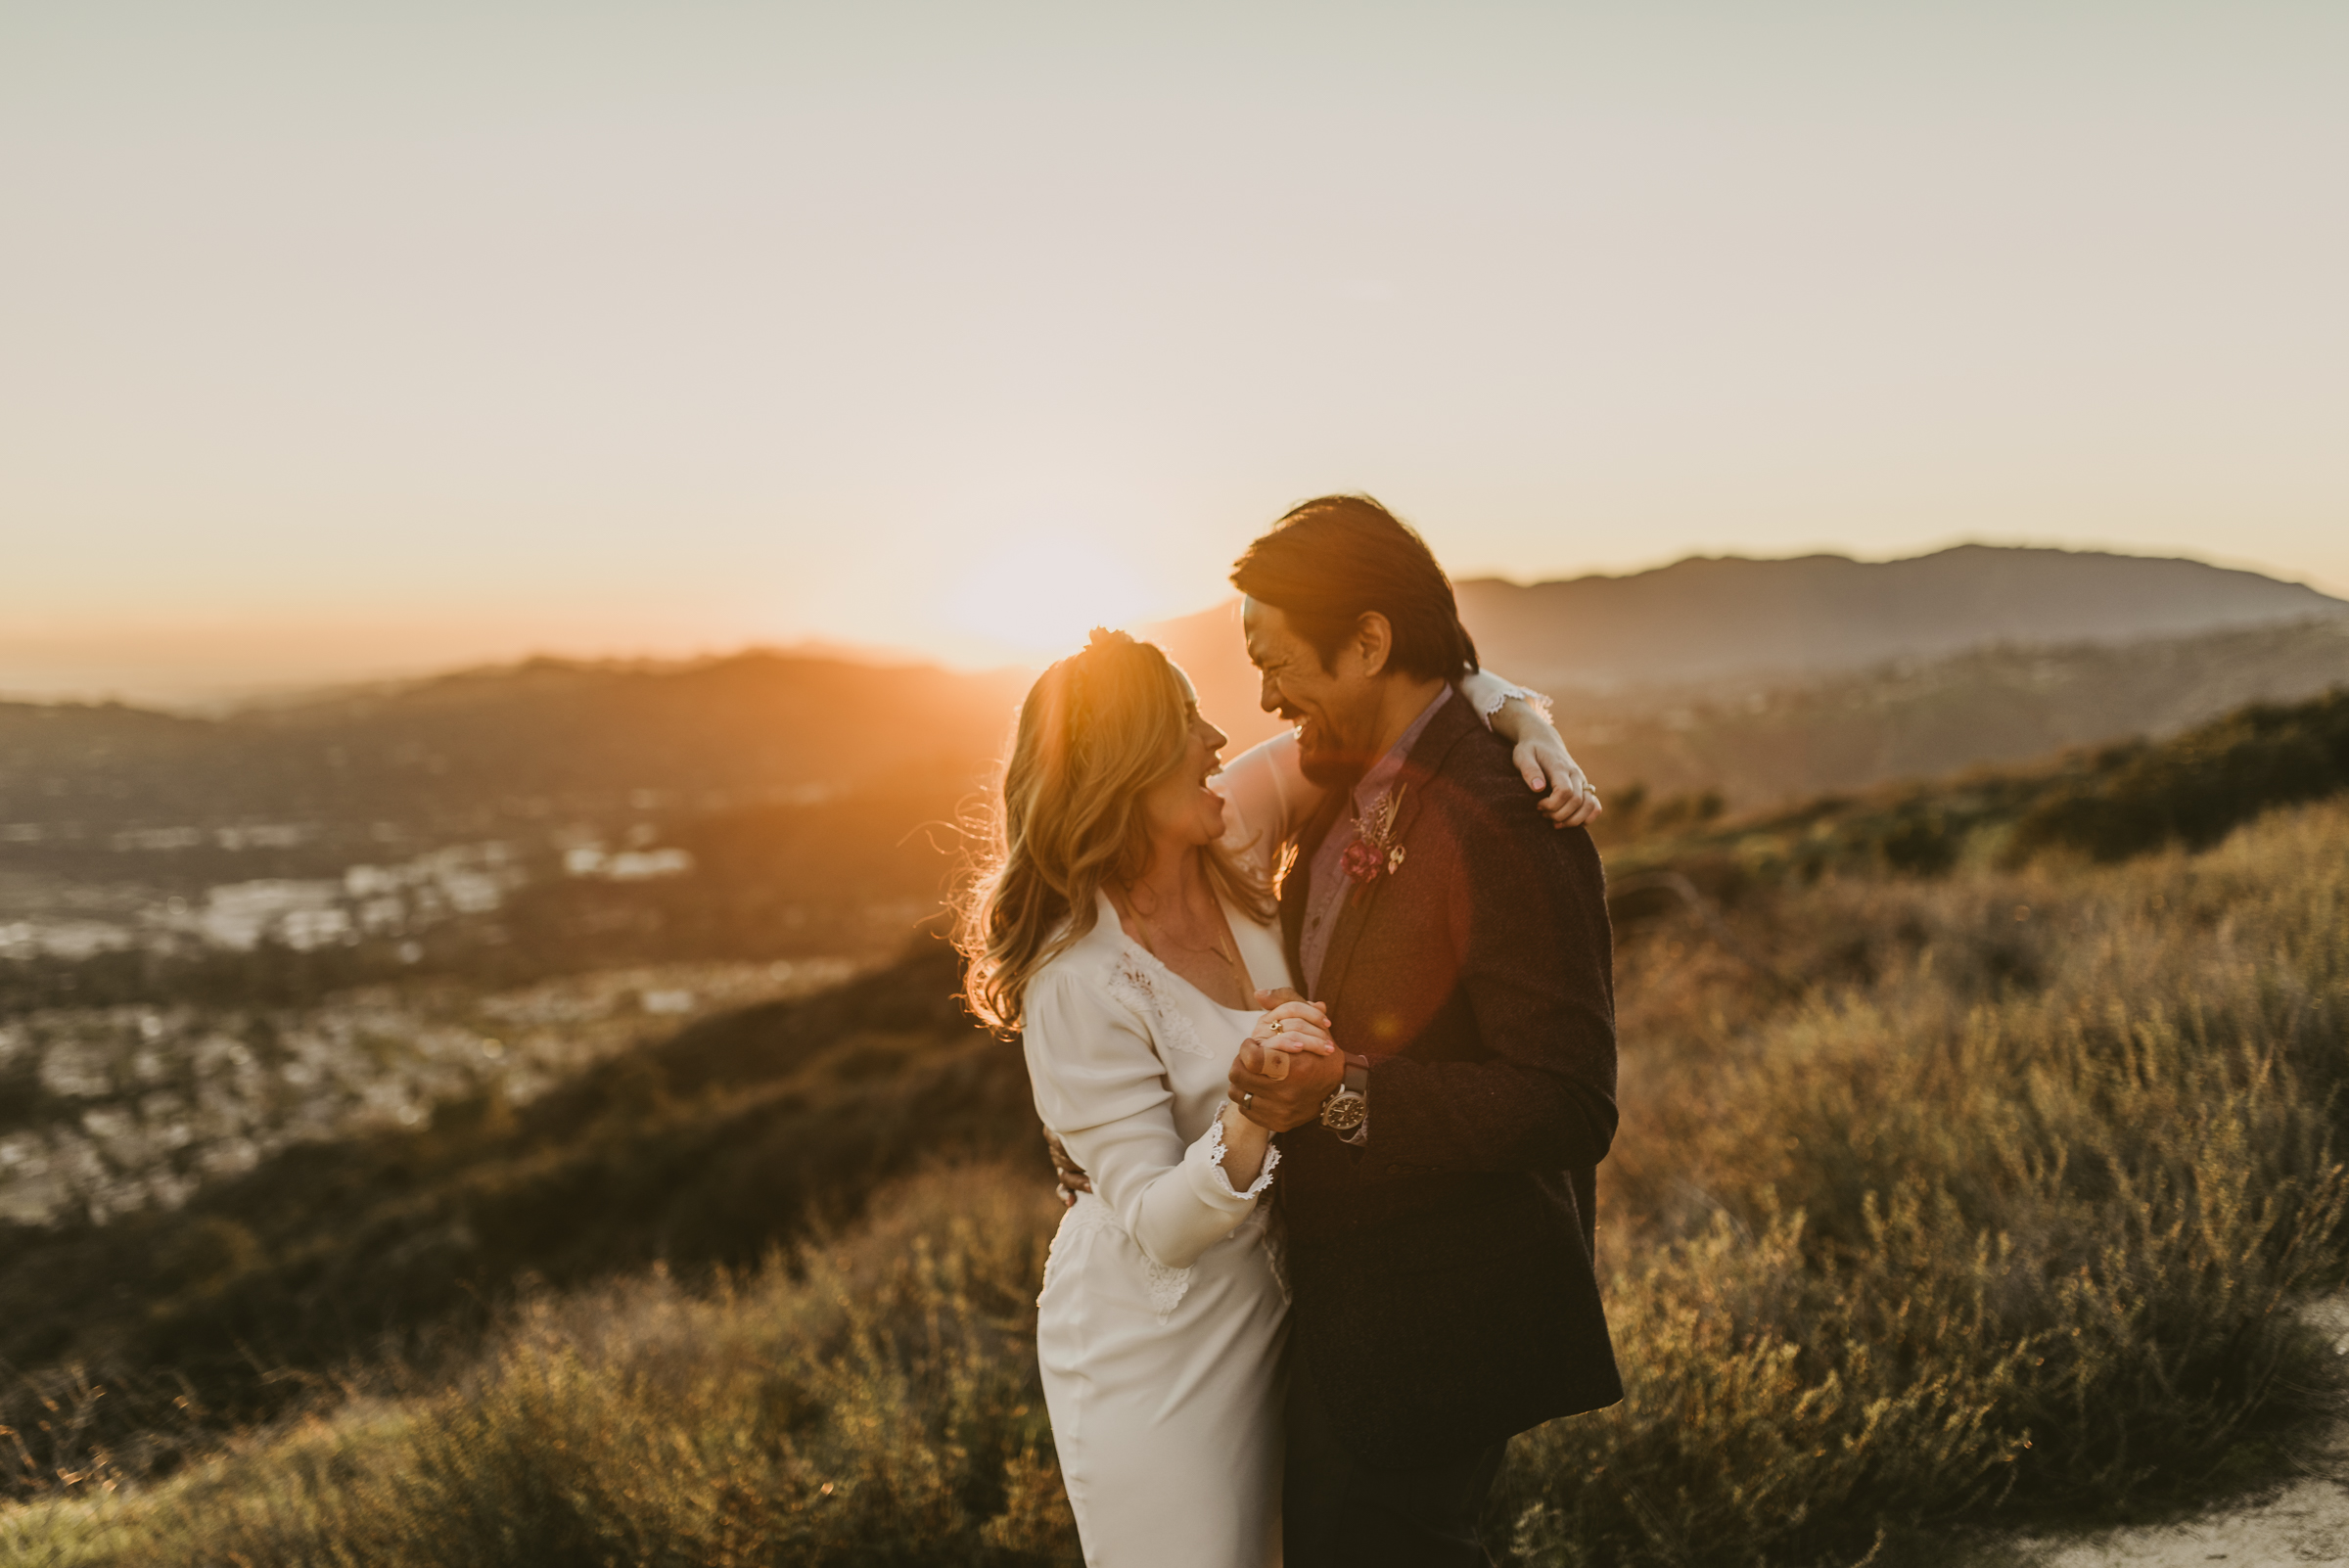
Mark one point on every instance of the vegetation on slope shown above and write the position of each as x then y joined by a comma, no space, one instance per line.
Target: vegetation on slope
1956,1237
2106,805
1995,1204
875,1402
700,1151
2008,1221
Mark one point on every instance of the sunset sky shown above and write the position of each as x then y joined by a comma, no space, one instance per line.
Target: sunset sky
348,340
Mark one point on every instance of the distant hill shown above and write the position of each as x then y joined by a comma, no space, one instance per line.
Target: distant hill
1713,628
1714,618
1770,743
536,741
801,803
797,805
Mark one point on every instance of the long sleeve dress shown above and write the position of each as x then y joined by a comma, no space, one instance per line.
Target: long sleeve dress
1163,1318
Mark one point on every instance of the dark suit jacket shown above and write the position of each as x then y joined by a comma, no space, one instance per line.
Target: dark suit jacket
1442,1273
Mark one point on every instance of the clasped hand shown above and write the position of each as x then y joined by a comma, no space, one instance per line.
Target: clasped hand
1288,1064
1292,1038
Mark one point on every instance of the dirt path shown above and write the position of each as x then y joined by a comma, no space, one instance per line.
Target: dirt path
2306,1521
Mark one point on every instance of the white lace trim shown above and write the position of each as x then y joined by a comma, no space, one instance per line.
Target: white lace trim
1215,1163
1168,1286
1501,691
1144,983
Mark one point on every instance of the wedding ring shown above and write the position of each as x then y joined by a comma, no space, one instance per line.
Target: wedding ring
1247,1099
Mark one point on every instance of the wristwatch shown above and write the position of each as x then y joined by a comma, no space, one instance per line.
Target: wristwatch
1349,1105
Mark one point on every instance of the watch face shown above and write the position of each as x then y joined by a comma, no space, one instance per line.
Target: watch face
1344,1112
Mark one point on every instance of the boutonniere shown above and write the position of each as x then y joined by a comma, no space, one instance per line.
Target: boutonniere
1375,851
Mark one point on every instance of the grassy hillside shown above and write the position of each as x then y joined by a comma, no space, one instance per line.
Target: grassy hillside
1765,743
1946,1241
2104,804
1957,1189
697,1152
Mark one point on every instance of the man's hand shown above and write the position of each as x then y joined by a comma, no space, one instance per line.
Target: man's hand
1280,1100
1069,1175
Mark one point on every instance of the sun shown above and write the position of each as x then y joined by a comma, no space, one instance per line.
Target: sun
1040,597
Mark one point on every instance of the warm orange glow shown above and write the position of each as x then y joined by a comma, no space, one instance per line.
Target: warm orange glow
1041,596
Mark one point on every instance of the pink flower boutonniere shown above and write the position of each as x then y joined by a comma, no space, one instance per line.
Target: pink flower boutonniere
1374,851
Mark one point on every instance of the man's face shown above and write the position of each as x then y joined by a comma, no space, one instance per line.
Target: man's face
1335,709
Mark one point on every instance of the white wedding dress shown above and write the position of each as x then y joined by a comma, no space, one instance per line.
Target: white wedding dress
1163,1316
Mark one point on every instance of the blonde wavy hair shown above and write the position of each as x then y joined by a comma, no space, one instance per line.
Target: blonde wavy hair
1096,731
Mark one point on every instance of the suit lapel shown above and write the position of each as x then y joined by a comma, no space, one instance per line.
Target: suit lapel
1427,756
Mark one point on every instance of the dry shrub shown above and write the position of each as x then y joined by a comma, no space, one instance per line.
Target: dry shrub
1963,1237
2007,1212
875,1404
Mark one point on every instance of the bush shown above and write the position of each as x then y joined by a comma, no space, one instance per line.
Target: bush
2004,1216
700,1151
2194,789
871,1401
1950,1244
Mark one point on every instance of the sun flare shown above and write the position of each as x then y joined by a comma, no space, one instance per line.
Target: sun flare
1041,597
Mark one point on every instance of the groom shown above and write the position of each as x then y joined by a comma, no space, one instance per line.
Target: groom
1437,1180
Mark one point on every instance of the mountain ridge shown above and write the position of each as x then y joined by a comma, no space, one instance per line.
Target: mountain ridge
548,739
1710,617
1756,622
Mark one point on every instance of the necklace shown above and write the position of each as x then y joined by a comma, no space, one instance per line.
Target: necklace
1153,939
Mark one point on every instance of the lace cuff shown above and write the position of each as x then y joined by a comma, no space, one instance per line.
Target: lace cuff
1485,692
1223,1178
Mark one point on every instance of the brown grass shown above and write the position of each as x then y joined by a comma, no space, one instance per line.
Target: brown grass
2001,1214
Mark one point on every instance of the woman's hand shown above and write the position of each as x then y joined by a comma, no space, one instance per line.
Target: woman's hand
1546,765
1543,762
1288,1027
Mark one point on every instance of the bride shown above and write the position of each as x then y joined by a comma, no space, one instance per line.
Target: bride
1125,924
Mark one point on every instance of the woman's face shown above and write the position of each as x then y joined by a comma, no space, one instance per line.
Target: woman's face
1181,806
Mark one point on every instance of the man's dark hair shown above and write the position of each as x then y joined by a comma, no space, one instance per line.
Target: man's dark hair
1338,558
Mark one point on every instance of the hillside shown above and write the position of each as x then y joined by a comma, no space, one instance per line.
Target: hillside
535,742
551,818
1707,626
532,821
1762,744
1709,618
1865,1270
480,750
699,1150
